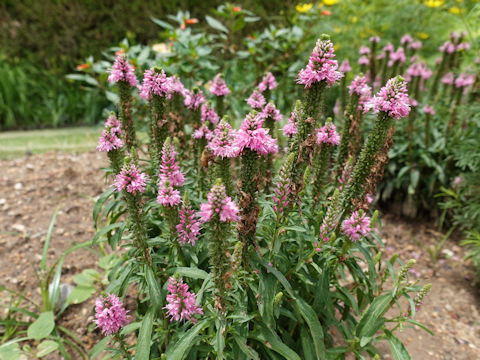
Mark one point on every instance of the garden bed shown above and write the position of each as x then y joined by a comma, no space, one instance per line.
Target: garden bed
32,187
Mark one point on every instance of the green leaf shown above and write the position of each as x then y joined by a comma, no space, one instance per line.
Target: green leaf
99,204
46,347
271,340
80,293
316,330
153,289
420,325
162,23
247,350
43,263
105,230
144,341
267,294
178,350
99,347
214,23
54,287
42,327
399,351
190,272
372,318
109,261
11,351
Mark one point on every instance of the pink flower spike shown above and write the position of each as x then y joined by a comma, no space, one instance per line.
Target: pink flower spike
375,39
254,137
194,99
364,50
222,142
169,169
122,70
110,315
427,109
110,139
131,180
448,78
256,100
268,83
321,66
392,99
356,226
181,303
219,203
188,228
209,114
345,67
270,111
406,39
327,134
155,82
363,60
167,195
290,128
219,87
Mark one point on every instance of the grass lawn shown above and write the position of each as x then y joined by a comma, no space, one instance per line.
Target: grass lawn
17,143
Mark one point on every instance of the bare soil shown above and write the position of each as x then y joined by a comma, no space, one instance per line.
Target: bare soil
32,187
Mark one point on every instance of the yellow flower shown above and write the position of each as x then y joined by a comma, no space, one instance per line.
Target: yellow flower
337,29
330,2
354,19
434,3
336,46
455,10
304,7
422,35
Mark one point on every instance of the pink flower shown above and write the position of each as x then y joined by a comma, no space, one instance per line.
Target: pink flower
427,109
345,67
169,169
397,57
290,128
448,78
360,87
364,50
209,114
194,99
114,124
155,82
181,303
321,66
375,39
122,70
109,141
464,80
270,111
327,134
219,87
413,102
202,132
176,86
188,228
463,46
219,203
222,143
415,45
392,99
406,39
254,137
268,82
131,180
418,70
363,60
110,315
447,47
389,47
282,188
167,194
357,225
256,100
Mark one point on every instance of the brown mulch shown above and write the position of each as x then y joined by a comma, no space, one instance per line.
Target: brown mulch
32,187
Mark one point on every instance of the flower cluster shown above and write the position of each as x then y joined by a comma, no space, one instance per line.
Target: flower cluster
254,137
290,128
270,111
256,100
357,225
131,180
110,315
111,135
268,82
219,87
327,134
282,188
122,70
167,194
169,176
418,69
345,67
194,99
330,221
464,80
181,303
155,82
360,87
219,203
188,228
321,66
397,57
222,142
392,99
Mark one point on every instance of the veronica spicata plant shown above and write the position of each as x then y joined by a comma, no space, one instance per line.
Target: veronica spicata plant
238,269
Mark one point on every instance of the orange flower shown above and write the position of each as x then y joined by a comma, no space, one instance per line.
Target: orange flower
83,66
237,9
183,26
326,12
191,21
120,52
